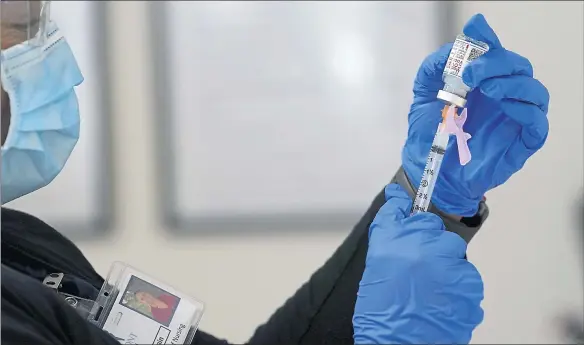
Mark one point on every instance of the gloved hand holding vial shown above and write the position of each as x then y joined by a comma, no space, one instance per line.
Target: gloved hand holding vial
464,50
486,98
417,287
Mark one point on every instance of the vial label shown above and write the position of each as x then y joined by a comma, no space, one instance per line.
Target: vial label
461,54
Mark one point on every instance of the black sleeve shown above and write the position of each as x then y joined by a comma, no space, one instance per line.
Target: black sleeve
321,311
33,314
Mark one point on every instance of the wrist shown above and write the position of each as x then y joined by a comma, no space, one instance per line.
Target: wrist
465,226
453,217
459,218
449,196
452,203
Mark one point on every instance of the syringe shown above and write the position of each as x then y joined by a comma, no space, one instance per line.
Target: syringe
432,169
464,50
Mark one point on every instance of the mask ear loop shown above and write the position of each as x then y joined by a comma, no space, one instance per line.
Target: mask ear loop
28,20
44,17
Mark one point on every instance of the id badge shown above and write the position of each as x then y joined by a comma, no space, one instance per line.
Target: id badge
136,309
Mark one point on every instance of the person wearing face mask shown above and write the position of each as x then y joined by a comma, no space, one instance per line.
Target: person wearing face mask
394,279
37,141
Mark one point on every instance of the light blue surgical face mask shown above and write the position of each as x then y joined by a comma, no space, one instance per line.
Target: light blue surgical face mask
44,123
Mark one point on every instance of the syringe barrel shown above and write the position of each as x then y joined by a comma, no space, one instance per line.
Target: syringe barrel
464,50
429,177
431,172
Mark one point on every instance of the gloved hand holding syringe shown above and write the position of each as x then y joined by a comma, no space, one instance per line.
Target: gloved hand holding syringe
464,50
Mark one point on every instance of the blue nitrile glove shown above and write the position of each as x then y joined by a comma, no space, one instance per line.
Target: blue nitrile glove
506,118
417,288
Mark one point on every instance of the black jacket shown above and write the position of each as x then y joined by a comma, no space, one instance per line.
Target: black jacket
320,312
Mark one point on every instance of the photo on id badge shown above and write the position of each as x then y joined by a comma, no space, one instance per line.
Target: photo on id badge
150,301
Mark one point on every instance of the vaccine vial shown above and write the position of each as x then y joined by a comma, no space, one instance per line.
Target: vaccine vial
464,50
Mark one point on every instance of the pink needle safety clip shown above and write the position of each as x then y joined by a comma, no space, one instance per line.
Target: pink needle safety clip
452,124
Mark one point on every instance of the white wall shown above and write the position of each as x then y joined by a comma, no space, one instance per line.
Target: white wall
526,252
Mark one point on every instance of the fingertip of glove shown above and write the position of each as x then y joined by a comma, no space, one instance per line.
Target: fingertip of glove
478,70
468,75
427,220
434,64
491,89
438,59
444,50
455,244
395,191
397,201
478,28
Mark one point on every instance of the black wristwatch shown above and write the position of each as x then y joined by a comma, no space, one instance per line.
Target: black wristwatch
466,228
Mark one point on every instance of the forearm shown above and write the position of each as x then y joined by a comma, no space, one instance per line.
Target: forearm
320,312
